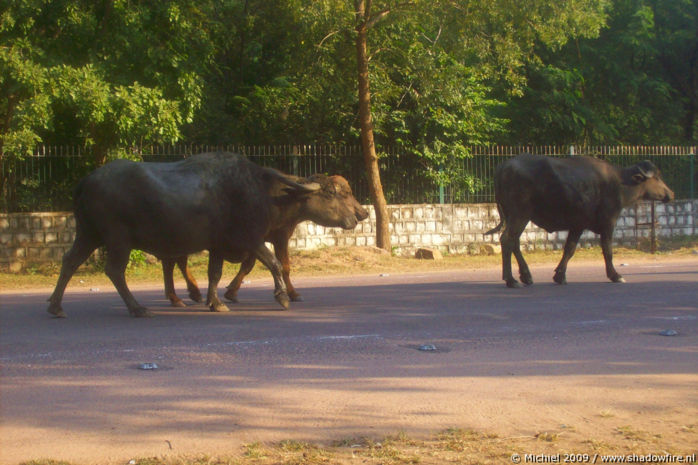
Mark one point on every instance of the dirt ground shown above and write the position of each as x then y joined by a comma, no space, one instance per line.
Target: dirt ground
576,369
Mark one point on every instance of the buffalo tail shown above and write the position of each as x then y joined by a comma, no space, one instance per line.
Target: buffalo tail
495,229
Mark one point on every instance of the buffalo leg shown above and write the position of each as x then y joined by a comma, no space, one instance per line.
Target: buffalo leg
73,258
524,271
281,252
510,241
507,249
215,270
245,268
607,249
192,286
265,256
167,274
115,269
570,247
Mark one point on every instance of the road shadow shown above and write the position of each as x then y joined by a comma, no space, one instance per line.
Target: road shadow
347,359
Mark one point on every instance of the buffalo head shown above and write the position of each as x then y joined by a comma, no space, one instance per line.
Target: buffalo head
333,204
647,178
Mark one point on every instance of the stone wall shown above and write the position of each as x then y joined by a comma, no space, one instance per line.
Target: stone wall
33,238
460,228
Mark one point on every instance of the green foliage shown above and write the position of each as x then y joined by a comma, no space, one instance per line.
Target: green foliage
444,74
137,259
432,104
634,84
105,75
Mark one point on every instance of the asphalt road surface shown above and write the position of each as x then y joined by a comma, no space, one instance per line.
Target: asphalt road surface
346,362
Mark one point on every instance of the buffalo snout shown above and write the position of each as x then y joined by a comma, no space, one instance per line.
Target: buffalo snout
655,189
349,223
668,194
360,212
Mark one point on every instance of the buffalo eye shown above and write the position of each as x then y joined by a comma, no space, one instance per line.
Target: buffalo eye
334,188
639,178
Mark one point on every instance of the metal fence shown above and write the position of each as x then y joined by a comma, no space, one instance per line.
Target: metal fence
44,180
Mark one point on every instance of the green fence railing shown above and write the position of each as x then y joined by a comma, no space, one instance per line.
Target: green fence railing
44,180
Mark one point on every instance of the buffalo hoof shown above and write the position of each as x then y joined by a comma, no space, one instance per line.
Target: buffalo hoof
618,279
56,310
513,284
140,312
219,307
296,298
195,295
560,278
231,295
177,302
283,300
526,279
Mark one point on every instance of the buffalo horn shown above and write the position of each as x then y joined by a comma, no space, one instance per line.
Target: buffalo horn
301,188
310,187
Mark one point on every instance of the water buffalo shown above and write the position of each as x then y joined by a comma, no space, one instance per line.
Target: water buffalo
568,194
220,202
333,205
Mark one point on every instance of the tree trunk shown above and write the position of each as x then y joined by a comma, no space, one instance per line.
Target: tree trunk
99,154
366,125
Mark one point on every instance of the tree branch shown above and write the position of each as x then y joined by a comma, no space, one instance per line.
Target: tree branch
327,37
370,22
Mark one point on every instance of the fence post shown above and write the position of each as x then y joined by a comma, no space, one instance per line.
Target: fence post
692,173
653,231
441,185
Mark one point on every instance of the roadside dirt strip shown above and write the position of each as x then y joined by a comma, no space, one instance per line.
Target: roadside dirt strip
589,358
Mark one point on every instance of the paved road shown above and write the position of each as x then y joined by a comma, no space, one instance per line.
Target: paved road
346,363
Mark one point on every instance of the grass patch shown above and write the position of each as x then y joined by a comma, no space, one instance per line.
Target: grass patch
689,428
256,451
598,445
632,434
451,446
547,436
46,462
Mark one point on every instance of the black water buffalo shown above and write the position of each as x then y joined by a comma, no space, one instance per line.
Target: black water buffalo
568,194
332,205
220,202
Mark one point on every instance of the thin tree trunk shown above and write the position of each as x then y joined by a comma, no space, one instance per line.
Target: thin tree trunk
99,154
690,122
366,125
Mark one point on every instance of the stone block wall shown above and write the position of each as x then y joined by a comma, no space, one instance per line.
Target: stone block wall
33,238
460,228
451,228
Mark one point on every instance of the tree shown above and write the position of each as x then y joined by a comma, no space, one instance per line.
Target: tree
108,74
496,36
273,79
676,41
620,87
365,20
